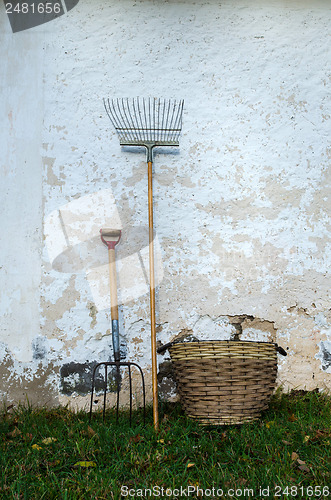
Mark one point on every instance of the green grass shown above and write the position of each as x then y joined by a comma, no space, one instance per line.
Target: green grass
288,447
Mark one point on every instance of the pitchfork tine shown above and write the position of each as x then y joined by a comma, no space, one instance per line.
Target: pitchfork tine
130,385
118,391
117,365
105,394
93,384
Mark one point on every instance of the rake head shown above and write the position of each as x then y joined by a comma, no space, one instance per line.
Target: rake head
146,122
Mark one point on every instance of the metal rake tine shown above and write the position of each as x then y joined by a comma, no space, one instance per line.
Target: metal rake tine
126,121
140,117
157,119
140,124
156,127
166,123
134,126
128,117
172,122
150,121
180,114
135,120
116,119
178,120
116,113
162,127
167,132
105,106
176,123
159,132
153,127
109,113
135,115
166,109
146,121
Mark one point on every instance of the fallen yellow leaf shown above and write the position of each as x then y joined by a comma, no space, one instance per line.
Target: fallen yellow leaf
85,464
306,439
160,441
36,447
48,440
189,465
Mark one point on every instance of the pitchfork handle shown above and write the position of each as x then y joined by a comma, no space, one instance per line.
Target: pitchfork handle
113,284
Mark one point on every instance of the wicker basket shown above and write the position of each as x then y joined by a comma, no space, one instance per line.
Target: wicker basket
225,382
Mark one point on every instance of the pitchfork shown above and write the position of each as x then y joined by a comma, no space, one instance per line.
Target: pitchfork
111,238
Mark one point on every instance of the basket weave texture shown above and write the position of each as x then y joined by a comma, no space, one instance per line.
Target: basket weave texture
224,382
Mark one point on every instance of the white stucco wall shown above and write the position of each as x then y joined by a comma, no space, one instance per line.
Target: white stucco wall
241,210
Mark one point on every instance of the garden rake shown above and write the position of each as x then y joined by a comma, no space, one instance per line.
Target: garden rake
149,123
111,238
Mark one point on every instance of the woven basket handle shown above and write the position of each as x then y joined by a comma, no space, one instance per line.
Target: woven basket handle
164,347
281,350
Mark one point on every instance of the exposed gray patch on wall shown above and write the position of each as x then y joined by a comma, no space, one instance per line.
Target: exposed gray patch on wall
325,355
166,379
77,378
237,322
39,348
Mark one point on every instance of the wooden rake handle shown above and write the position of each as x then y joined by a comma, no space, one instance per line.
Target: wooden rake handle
152,296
